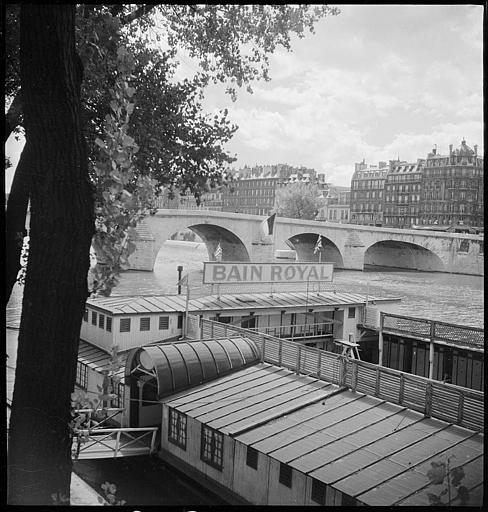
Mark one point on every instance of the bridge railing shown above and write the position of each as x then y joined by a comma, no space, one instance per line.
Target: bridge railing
461,406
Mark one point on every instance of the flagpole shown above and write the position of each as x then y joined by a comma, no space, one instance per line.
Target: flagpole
186,305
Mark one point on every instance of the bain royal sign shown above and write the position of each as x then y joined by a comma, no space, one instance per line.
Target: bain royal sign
237,272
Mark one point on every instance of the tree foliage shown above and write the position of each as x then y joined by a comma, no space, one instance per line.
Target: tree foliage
179,146
127,87
299,200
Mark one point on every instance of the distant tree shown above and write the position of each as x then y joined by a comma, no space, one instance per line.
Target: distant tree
298,200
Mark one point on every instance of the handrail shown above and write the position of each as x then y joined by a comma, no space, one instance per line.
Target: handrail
437,399
93,437
295,330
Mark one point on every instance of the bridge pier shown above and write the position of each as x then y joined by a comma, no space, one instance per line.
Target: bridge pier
353,258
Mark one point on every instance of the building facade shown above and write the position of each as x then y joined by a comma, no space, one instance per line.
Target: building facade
367,188
254,189
336,205
452,188
401,200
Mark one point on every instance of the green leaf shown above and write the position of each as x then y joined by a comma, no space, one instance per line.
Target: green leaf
437,473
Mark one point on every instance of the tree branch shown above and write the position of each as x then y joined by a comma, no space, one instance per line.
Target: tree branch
140,11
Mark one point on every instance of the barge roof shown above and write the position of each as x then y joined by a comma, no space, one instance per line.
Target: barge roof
376,451
123,305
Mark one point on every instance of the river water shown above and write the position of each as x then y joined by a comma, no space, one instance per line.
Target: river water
438,296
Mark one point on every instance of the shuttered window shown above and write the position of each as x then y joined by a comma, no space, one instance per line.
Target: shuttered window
94,318
81,375
163,323
351,313
145,324
85,315
319,490
108,324
101,321
125,325
285,474
252,457
180,322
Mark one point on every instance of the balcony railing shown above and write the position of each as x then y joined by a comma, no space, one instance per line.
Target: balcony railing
461,406
297,332
424,329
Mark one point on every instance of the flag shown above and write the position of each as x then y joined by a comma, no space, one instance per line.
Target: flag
267,225
218,253
318,245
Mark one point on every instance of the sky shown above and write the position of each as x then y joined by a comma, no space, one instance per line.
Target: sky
376,82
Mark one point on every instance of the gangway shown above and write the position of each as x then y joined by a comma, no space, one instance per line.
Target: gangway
103,443
97,441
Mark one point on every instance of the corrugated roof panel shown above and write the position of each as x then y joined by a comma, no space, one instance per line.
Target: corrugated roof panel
282,424
416,478
259,394
370,477
278,410
247,387
245,379
321,454
396,463
412,485
367,453
312,425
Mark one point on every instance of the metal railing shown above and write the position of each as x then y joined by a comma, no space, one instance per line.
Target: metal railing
298,331
424,329
461,406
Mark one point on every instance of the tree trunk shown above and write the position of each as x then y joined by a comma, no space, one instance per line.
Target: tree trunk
61,228
13,116
15,219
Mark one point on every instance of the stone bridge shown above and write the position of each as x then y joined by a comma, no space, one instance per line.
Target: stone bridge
349,246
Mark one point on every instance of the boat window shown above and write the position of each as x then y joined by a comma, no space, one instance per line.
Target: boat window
163,323
145,324
211,448
285,475
125,325
319,491
252,457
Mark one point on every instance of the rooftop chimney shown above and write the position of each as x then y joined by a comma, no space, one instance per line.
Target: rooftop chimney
475,147
450,149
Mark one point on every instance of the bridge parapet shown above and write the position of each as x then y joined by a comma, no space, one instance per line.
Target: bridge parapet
349,246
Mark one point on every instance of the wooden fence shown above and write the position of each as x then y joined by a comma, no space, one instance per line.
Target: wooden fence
461,406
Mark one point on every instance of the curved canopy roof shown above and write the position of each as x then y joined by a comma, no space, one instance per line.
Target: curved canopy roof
180,365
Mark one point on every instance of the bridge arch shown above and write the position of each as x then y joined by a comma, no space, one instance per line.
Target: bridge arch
233,248
406,255
304,245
